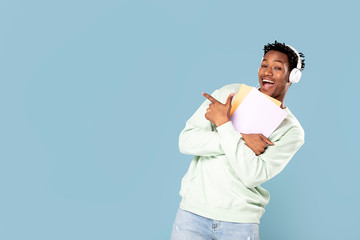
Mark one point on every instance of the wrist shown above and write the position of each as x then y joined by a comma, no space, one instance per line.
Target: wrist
219,123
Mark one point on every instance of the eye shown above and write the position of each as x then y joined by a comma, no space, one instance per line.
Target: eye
278,68
263,65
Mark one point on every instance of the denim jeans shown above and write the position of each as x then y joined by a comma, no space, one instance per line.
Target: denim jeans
189,226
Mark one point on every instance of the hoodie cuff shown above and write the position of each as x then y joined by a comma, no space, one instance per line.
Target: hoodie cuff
227,129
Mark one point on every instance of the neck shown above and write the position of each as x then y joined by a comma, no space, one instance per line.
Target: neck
282,97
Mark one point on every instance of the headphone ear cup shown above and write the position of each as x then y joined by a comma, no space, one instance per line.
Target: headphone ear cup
295,75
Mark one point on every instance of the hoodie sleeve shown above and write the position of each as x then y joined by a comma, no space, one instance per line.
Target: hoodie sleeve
199,136
254,170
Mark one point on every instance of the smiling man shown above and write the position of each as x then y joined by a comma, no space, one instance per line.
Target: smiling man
221,193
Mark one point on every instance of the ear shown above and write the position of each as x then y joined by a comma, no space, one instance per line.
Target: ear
288,84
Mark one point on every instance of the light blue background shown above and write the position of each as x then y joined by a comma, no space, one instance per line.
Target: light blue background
93,96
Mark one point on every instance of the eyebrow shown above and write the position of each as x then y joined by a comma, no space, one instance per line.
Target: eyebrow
264,59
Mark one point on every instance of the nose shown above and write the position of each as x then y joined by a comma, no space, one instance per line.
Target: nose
268,71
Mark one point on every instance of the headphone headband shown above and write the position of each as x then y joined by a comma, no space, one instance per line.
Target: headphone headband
298,66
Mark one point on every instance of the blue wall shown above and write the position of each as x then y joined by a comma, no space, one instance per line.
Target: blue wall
93,96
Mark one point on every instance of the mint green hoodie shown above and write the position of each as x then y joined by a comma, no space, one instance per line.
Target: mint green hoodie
224,177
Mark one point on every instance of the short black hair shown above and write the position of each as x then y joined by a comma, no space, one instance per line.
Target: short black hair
292,57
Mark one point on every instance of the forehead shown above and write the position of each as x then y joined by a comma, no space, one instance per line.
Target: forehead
273,55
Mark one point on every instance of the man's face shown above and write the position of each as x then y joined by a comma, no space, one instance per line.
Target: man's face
274,75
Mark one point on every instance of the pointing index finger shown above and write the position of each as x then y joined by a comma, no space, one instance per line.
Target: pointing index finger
213,100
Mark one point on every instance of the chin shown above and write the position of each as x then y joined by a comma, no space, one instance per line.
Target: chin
269,93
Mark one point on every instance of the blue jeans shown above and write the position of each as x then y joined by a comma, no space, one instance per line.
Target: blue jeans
189,226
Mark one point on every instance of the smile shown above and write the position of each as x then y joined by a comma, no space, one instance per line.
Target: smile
267,81
267,84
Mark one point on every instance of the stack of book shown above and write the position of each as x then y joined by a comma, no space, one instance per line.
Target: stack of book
255,112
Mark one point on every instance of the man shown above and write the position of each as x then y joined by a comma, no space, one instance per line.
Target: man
221,193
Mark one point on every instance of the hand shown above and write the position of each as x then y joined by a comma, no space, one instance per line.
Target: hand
217,112
256,142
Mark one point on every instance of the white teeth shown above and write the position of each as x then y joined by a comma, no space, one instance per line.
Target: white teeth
268,81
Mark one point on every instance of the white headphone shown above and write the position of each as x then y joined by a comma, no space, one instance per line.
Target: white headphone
295,74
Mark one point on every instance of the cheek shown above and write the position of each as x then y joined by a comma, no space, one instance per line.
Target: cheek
284,78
